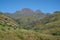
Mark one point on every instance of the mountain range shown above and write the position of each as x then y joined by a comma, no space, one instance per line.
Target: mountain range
27,24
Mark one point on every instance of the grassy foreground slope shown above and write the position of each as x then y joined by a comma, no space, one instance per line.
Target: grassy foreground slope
25,35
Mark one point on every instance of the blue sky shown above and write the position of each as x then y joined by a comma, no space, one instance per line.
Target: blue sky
43,5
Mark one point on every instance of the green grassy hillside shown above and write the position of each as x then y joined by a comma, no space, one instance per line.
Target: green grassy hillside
25,35
7,22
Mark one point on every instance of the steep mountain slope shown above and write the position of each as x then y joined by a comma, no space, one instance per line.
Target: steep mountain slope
50,24
51,17
6,21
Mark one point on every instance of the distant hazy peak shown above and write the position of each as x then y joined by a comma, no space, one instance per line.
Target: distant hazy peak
26,10
38,12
